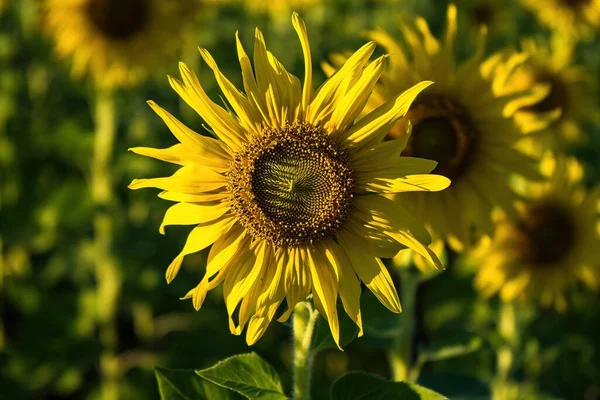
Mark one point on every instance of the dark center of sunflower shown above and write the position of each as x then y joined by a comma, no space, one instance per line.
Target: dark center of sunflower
557,98
483,14
292,186
549,234
119,19
443,132
574,3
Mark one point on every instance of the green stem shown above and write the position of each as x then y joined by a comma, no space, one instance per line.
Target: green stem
400,355
508,330
107,273
304,320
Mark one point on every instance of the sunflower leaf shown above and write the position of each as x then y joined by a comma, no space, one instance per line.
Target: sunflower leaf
184,384
246,374
358,385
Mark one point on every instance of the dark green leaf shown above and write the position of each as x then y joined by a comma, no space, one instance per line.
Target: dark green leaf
361,386
444,351
378,321
184,384
248,375
456,386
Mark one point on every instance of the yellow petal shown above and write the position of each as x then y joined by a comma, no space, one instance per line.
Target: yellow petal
199,238
189,179
374,126
194,198
297,280
324,285
370,270
248,115
174,154
390,216
207,150
412,243
300,28
410,183
191,214
349,285
222,123
227,249
240,283
353,102
327,96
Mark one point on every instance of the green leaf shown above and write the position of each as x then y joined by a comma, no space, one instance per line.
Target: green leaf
451,351
322,338
184,384
456,386
361,386
450,345
248,375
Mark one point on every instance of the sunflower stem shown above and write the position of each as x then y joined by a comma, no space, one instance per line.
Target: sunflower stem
108,277
508,331
304,320
400,355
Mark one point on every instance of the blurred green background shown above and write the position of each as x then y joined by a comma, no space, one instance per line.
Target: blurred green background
55,342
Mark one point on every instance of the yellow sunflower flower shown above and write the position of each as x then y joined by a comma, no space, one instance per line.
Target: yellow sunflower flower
497,15
576,18
552,246
571,94
117,42
279,7
459,123
292,194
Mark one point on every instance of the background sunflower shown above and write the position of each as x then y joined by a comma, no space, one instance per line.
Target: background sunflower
460,124
118,42
577,18
553,246
570,104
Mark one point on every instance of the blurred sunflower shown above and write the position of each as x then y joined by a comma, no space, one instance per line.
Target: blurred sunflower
497,15
278,7
460,124
576,18
118,42
553,245
292,195
571,98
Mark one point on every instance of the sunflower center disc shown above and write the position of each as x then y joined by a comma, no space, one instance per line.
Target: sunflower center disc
119,19
441,132
549,232
483,14
557,98
575,3
292,186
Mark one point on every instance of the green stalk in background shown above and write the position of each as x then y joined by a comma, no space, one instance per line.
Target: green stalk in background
508,330
304,320
400,355
108,276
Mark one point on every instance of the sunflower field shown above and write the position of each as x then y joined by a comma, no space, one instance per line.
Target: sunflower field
300,199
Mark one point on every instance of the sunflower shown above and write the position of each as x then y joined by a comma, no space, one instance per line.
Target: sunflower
459,123
117,42
292,194
570,100
576,18
553,245
497,15
279,7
